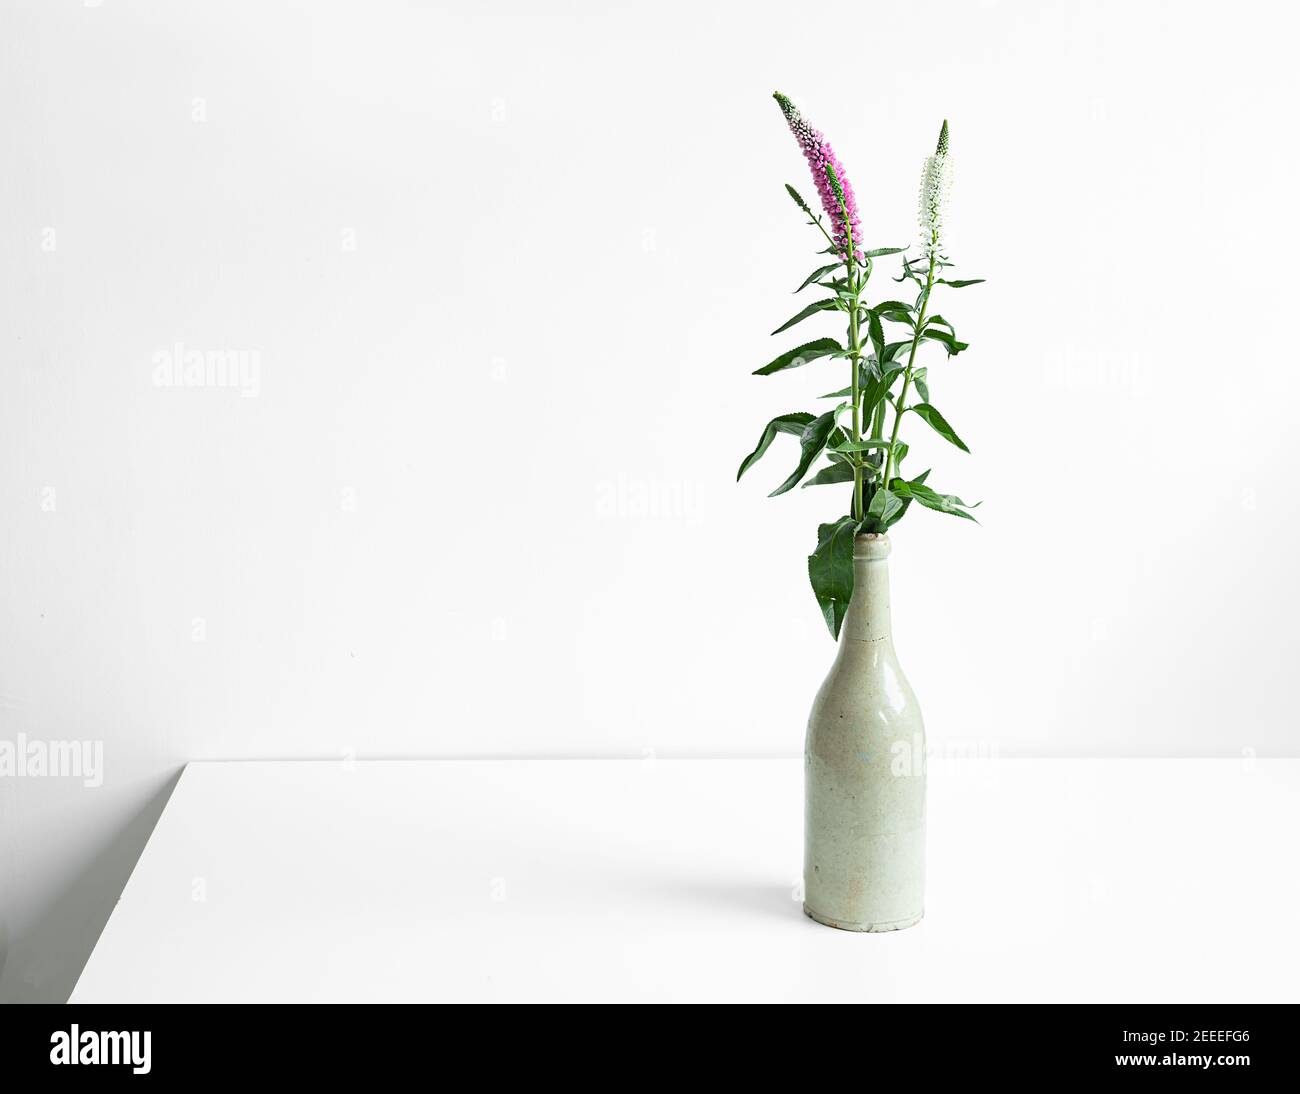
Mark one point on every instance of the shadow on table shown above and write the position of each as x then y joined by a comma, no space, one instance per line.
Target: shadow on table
758,898
43,964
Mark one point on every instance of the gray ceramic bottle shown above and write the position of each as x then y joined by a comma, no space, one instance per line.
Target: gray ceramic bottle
864,771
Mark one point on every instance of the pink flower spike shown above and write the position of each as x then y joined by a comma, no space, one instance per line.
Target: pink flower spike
819,154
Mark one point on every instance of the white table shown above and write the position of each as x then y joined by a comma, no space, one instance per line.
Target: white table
1146,880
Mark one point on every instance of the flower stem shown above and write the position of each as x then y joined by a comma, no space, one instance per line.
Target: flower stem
817,222
891,465
857,409
855,354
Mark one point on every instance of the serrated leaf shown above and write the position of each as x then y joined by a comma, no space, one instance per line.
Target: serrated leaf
833,473
895,310
961,284
931,499
830,571
800,355
884,505
817,275
919,379
811,309
946,340
880,252
893,350
907,499
862,446
939,424
877,335
838,436
876,388
811,442
786,423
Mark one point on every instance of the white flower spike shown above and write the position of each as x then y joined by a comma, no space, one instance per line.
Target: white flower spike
936,179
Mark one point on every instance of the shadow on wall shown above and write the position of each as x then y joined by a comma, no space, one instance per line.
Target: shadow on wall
43,964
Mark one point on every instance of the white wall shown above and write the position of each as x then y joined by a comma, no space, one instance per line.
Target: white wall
482,501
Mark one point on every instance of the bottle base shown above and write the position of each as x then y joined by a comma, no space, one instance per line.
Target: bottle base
864,928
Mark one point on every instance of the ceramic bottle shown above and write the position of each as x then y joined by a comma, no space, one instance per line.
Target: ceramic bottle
864,771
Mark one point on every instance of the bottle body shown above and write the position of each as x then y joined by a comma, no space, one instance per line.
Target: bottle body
864,771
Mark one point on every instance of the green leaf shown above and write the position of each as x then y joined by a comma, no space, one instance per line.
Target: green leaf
817,275
894,350
875,389
811,442
894,310
830,570
880,252
946,340
939,424
800,355
907,499
833,473
786,423
862,446
941,503
961,284
940,321
885,505
918,378
877,335
811,309
838,436
900,451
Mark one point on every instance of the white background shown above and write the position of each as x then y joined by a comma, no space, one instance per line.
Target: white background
507,270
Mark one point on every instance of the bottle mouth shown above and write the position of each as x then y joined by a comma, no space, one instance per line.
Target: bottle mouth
872,546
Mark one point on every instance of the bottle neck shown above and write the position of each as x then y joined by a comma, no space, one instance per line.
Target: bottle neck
867,619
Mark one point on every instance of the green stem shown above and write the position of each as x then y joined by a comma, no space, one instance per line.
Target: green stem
822,228
900,407
855,355
857,410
